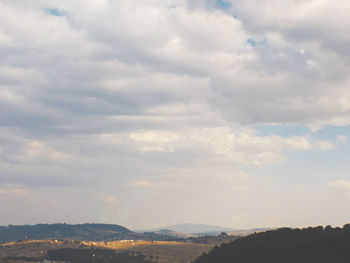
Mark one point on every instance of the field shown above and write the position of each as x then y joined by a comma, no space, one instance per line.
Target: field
157,251
25,251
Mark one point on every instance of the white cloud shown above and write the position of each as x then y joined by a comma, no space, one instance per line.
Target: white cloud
325,146
239,147
155,141
187,53
342,185
246,148
342,138
154,137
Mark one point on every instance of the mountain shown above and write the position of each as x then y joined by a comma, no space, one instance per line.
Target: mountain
285,245
195,229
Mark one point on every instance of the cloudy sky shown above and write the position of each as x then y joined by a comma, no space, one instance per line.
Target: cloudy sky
157,112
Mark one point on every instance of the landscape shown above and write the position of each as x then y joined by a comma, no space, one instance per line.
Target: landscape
77,243
174,131
103,243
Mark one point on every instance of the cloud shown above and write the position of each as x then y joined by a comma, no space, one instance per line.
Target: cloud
13,192
88,68
249,149
110,199
141,183
342,138
342,185
119,156
29,151
239,147
105,93
325,146
155,142
279,68
35,150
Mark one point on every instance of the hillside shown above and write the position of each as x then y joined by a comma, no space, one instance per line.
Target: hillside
285,245
63,231
92,232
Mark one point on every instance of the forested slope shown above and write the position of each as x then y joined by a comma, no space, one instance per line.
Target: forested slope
285,245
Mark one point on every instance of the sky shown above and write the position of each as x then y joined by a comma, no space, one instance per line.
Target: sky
153,113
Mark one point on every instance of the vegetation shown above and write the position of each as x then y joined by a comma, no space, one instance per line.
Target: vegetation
218,239
33,249
94,256
158,251
285,245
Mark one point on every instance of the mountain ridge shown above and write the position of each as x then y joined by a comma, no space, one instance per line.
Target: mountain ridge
191,229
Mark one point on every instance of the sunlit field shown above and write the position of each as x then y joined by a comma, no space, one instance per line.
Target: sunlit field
159,251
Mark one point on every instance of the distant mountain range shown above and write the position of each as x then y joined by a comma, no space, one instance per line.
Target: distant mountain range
190,229
196,230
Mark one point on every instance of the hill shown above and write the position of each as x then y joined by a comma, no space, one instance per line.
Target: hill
89,232
285,245
63,231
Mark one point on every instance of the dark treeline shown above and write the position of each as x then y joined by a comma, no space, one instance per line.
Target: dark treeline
94,256
285,245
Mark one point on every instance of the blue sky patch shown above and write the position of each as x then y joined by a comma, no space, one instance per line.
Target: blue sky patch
53,11
251,42
330,132
327,133
284,131
222,4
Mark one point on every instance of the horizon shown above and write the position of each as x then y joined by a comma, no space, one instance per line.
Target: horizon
181,224
148,113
